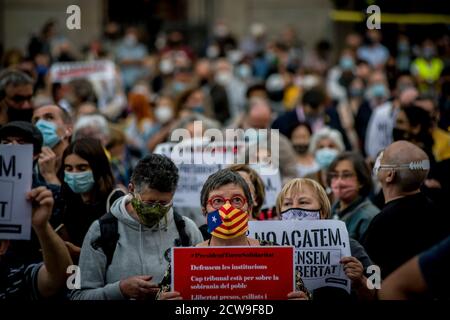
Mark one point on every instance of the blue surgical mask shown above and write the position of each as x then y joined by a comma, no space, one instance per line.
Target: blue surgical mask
198,109
428,52
244,71
403,47
346,63
378,91
325,156
79,182
48,130
356,92
179,87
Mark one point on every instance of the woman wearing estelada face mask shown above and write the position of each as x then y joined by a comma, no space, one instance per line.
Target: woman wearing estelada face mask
226,202
304,199
87,183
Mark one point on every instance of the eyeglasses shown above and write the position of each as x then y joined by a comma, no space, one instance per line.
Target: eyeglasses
154,203
236,201
343,175
19,98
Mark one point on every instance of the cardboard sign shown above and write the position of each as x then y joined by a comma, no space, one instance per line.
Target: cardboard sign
272,186
193,175
192,178
319,246
233,273
16,163
101,74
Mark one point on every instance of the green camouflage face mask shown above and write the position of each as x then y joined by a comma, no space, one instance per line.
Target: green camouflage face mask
150,215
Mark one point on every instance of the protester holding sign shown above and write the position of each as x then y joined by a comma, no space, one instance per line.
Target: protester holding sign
41,280
305,199
88,181
23,133
351,182
225,203
125,252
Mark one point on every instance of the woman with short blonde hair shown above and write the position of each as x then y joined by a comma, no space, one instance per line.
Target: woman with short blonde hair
306,199
296,186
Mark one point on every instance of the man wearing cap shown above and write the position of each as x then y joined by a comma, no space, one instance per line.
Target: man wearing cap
21,132
409,223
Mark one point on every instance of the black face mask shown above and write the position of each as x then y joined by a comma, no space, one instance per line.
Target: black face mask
400,134
301,148
20,114
203,81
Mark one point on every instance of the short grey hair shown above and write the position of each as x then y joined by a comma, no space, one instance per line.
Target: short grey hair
13,77
221,178
326,133
92,121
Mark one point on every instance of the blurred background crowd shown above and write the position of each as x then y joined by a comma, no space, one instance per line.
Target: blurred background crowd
114,99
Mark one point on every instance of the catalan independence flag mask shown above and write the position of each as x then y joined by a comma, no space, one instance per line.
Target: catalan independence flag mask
227,222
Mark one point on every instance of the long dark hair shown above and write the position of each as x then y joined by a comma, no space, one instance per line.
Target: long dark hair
92,151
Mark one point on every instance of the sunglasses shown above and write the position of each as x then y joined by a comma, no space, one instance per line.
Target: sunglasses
19,98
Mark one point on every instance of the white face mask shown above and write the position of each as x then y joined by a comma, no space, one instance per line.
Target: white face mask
163,114
166,66
223,78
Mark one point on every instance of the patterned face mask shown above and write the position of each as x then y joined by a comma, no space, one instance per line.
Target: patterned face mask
300,214
227,222
149,214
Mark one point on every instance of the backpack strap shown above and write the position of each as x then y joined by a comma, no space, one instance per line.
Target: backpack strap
109,235
113,196
181,227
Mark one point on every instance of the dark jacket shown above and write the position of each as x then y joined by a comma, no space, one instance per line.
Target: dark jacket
404,228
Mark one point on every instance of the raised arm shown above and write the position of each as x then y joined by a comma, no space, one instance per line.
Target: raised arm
52,275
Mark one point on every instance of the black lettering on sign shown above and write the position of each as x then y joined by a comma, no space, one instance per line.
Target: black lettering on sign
7,168
10,228
270,236
3,208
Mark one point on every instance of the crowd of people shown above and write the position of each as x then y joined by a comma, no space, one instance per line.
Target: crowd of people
363,138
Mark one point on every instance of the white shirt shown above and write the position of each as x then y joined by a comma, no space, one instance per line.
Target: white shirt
379,129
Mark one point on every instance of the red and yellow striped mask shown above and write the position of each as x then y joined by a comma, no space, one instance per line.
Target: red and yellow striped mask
227,222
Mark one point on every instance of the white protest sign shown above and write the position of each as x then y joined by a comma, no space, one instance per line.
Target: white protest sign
192,178
193,171
164,148
196,159
319,246
100,73
16,162
93,70
272,185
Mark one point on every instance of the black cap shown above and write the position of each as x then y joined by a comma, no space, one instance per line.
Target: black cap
26,131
